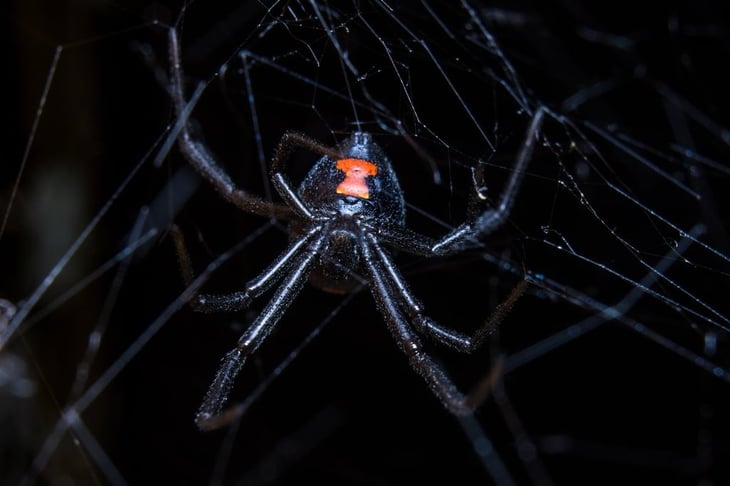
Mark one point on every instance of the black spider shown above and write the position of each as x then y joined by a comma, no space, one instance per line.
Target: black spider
343,215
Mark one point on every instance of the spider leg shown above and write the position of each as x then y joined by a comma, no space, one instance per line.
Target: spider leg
201,159
235,301
464,236
288,143
408,341
384,265
406,240
467,235
211,414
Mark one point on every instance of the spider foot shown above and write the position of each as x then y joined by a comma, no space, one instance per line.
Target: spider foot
210,415
461,405
221,303
455,241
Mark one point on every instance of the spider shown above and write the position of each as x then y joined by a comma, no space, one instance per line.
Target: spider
345,217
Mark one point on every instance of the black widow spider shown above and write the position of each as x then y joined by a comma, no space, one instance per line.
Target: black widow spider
344,213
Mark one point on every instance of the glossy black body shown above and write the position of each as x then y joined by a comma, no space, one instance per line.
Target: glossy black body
385,203
339,260
338,240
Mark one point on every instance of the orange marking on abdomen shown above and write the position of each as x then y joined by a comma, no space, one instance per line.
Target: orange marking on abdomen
356,170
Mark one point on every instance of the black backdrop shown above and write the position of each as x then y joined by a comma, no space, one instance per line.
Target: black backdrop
631,400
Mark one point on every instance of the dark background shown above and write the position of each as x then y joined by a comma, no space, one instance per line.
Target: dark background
630,400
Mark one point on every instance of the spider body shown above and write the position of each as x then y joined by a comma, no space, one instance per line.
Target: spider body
361,182
346,218
355,191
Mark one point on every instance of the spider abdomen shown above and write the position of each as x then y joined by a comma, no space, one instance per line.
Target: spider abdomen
362,181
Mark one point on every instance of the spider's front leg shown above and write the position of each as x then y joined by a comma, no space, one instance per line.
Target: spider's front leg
289,142
201,158
468,234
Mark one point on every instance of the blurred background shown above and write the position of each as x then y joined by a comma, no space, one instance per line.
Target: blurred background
614,364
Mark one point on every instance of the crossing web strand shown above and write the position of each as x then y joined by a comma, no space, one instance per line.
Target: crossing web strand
611,363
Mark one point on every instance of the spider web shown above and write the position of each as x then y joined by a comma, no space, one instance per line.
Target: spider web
615,364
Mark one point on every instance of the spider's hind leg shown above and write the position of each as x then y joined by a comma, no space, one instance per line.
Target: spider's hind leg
440,383
392,302
397,286
293,269
205,302
235,301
